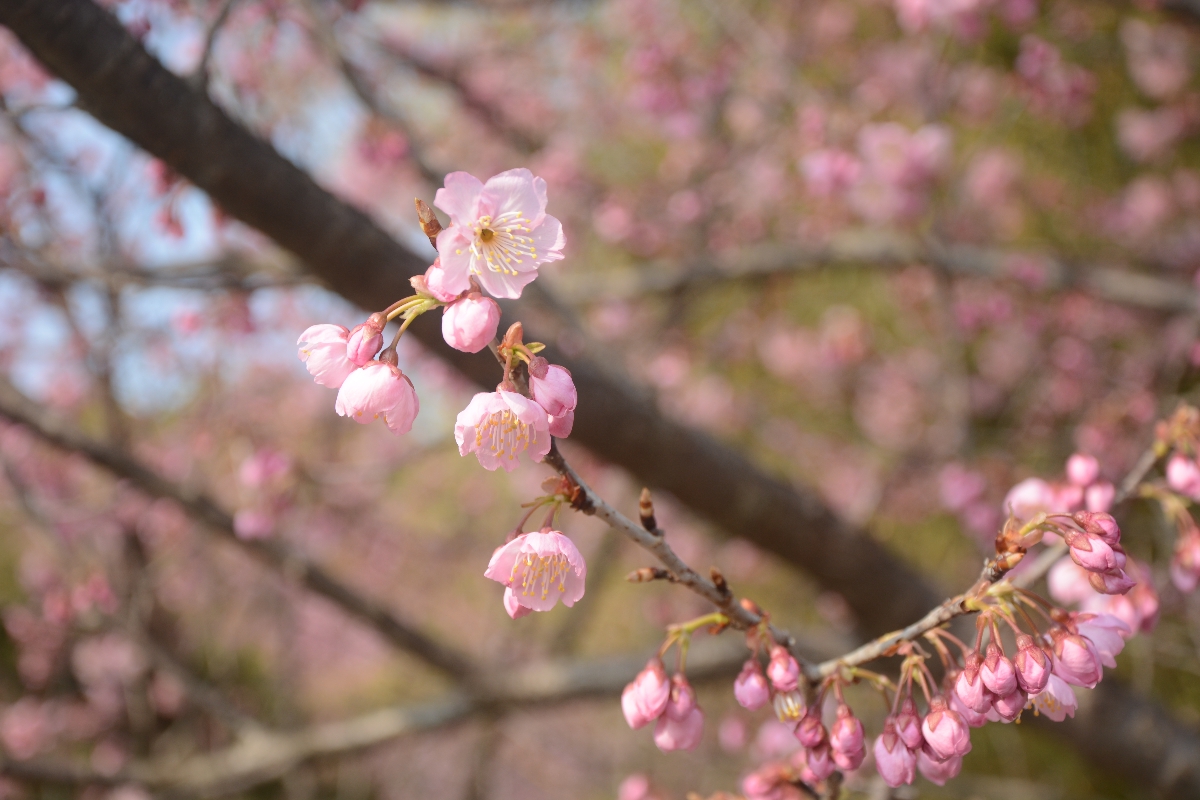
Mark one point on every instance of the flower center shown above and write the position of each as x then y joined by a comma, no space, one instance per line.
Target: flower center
504,434
538,575
501,242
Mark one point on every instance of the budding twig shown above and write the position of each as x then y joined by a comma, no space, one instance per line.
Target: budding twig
646,511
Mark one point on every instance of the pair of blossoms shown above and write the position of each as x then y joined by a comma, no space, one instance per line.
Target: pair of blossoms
498,237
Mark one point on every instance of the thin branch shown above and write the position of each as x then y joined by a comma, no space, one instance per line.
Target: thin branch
200,76
275,554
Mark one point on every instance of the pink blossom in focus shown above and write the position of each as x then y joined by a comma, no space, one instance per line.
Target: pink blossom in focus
783,670
1093,553
750,688
945,732
1076,660
469,323
1112,582
436,283
969,687
1057,700
561,426
323,351
938,772
499,231
365,340
499,427
846,739
552,387
997,672
542,568
646,696
512,607
896,763
377,390
908,725
1009,706
973,718
1032,666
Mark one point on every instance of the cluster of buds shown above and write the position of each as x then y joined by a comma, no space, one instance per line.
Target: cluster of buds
671,704
1093,539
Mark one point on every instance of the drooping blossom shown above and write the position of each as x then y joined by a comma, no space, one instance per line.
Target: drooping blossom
1057,700
750,688
512,607
646,696
470,322
1009,707
1076,660
1031,664
908,725
973,718
1106,632
811,731
323,351
997,671
945,732
498,427
1115,581
377,390
938,771
541,568
783,670
1137,608
819,761
499,232
554,390
681,725
366,339
969,686
846,739
1100,524
896,763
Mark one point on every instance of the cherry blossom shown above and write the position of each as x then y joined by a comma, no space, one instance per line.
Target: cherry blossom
377,390
323,351
499,427
540,568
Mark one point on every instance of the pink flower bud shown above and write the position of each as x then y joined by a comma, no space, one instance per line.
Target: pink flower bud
365,340
997,671
750,687
969,688
946,734
1076,660
847,732
1183,475
973,718
645,697
783,670
323,351
378,390
1106,633
1009,706
1082,470
1031,664
811,732
1057,700
514,609
896,763
768,782
1099,524
1093,553
908,725
552,387
847,762
436,284
1099,496
469,323
683,698
1112,582
819,762
679,733
938,771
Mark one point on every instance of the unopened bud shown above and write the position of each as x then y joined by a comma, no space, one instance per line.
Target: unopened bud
429,221
719,581
647,574
514,335
646,511
751,606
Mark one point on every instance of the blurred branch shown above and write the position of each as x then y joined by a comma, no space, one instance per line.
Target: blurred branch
879,249
200,76
276,554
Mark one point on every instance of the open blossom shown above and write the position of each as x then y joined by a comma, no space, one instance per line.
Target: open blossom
323,351
645,697
896,763
945,732
379,389
498,427
1056,701
750,688
499,231
541,568
470,322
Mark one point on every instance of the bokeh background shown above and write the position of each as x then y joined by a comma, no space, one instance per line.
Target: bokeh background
901,255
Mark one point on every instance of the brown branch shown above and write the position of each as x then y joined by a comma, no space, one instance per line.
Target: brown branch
275,554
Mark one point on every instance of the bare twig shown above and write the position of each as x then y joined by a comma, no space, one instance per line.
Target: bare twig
200,76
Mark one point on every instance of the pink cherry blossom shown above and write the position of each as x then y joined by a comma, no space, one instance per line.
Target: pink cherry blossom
997,672
1107,633
969,687
323,351
379,389
819,762
938,771
846,739
681,725
1010,705
552,387
750,688
1076,660
1069,582
561,426
1057,700
1183,475
499,231
1111,582
783,670
435,284
469,323
365,340
512,607
498,427
1101,524
645,697
973,718
811,731
1137,608
542,568
908,725
945,732
1032,665
789,706
830,172
1093,553
896,763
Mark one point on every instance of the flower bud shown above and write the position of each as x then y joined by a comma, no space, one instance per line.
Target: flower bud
1009,706
997,671
646,696
847,732
470,323
969,688
938,771
810,732
684,733
945,732
819,762
365,340
1031,665
895,762
1101,524
750,687
552,387
1076,660
973,718
1113,582
683,698
377,390
783,670
436,284
908,725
